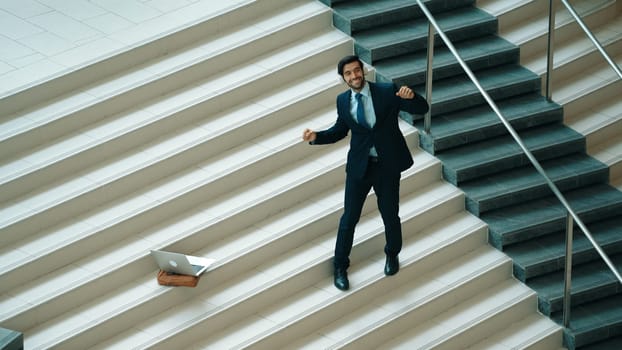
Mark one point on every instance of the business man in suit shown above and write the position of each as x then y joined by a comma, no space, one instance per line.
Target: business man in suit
378,154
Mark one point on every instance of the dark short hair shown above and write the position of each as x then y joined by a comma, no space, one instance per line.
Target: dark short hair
346,60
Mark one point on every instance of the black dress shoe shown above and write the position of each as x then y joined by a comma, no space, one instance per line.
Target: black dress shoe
392,266
341,279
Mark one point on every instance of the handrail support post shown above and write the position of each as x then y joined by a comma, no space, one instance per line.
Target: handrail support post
550,48
427,118
568,269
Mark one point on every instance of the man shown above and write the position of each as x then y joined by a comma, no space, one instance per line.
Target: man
378,154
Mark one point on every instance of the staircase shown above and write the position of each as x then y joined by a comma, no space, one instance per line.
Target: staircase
591,107
504,47
191,143
589,97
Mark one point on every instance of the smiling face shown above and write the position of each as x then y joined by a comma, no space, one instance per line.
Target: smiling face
354,76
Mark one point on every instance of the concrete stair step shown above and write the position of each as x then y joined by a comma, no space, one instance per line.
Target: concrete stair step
600,121
609,152
371,324
225,212
529,30
510,301
547,253
512,13
155,74
598,322
299,312
601,124
546,215
524,184
209,177
591,282
402,38
462,322
610,343
157,159
11,340
479,53
599,76
503,153
424,294
459,92
143,44
353,16
533,332
54,249
186,213
573,55
481,123
131,128
332,2
581,91
149,302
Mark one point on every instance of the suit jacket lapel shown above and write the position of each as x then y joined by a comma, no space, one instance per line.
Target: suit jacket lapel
377,102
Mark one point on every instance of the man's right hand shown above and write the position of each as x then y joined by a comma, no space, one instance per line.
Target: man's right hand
308,135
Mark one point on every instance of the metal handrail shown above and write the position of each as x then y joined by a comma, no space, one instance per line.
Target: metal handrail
571,214
549,93
586,30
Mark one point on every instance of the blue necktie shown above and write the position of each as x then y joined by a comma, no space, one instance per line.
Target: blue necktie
360,111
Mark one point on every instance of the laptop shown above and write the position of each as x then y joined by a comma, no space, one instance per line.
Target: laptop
180,263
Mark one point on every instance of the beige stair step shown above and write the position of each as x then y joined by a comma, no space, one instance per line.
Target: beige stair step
304,307
574,87
144,122
157,228
492,307
426,288
328,161
512,13
571,56
534,332
138,307
152,40
212,176
155,160
600,122
530,33
610,153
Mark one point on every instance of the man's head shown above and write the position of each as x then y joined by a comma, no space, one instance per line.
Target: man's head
351,70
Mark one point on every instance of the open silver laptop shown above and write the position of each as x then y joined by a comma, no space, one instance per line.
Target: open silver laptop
180,263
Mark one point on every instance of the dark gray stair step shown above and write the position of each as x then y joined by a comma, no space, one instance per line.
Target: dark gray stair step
525,183
614,343
458,92
481,123
406,37
334,2
543,216
11,340
479,53
590,282
353,16
546,254
592,323
502,153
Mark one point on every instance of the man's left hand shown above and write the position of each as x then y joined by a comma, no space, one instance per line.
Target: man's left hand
405,92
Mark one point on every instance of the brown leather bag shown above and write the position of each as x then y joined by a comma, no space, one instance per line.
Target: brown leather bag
173,279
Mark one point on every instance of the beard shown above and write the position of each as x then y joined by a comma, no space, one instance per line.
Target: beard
357,84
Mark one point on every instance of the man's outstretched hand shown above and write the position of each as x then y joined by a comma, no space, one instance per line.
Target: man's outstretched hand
308,135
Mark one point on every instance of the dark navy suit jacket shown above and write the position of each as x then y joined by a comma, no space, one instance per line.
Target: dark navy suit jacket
386,136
